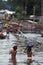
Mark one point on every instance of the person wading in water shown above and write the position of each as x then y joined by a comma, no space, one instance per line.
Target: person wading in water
29,52
13,53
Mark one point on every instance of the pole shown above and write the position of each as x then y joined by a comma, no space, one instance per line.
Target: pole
34,16
34,13
41,10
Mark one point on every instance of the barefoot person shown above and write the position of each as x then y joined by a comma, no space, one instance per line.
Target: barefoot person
13,53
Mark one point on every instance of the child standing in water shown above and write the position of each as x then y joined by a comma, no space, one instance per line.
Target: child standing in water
13,53
29,52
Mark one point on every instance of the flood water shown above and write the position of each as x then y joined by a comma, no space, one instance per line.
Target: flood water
7,44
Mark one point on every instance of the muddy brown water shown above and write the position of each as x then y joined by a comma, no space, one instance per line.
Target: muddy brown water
5,47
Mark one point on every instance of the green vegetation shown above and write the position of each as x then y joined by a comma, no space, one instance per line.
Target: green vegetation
23,7
19,13
27,5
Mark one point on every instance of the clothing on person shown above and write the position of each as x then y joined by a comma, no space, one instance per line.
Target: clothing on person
28,51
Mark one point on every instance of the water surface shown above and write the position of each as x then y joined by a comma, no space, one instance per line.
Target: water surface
7,44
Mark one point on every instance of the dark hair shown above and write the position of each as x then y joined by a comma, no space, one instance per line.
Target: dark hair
29,48
15,47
